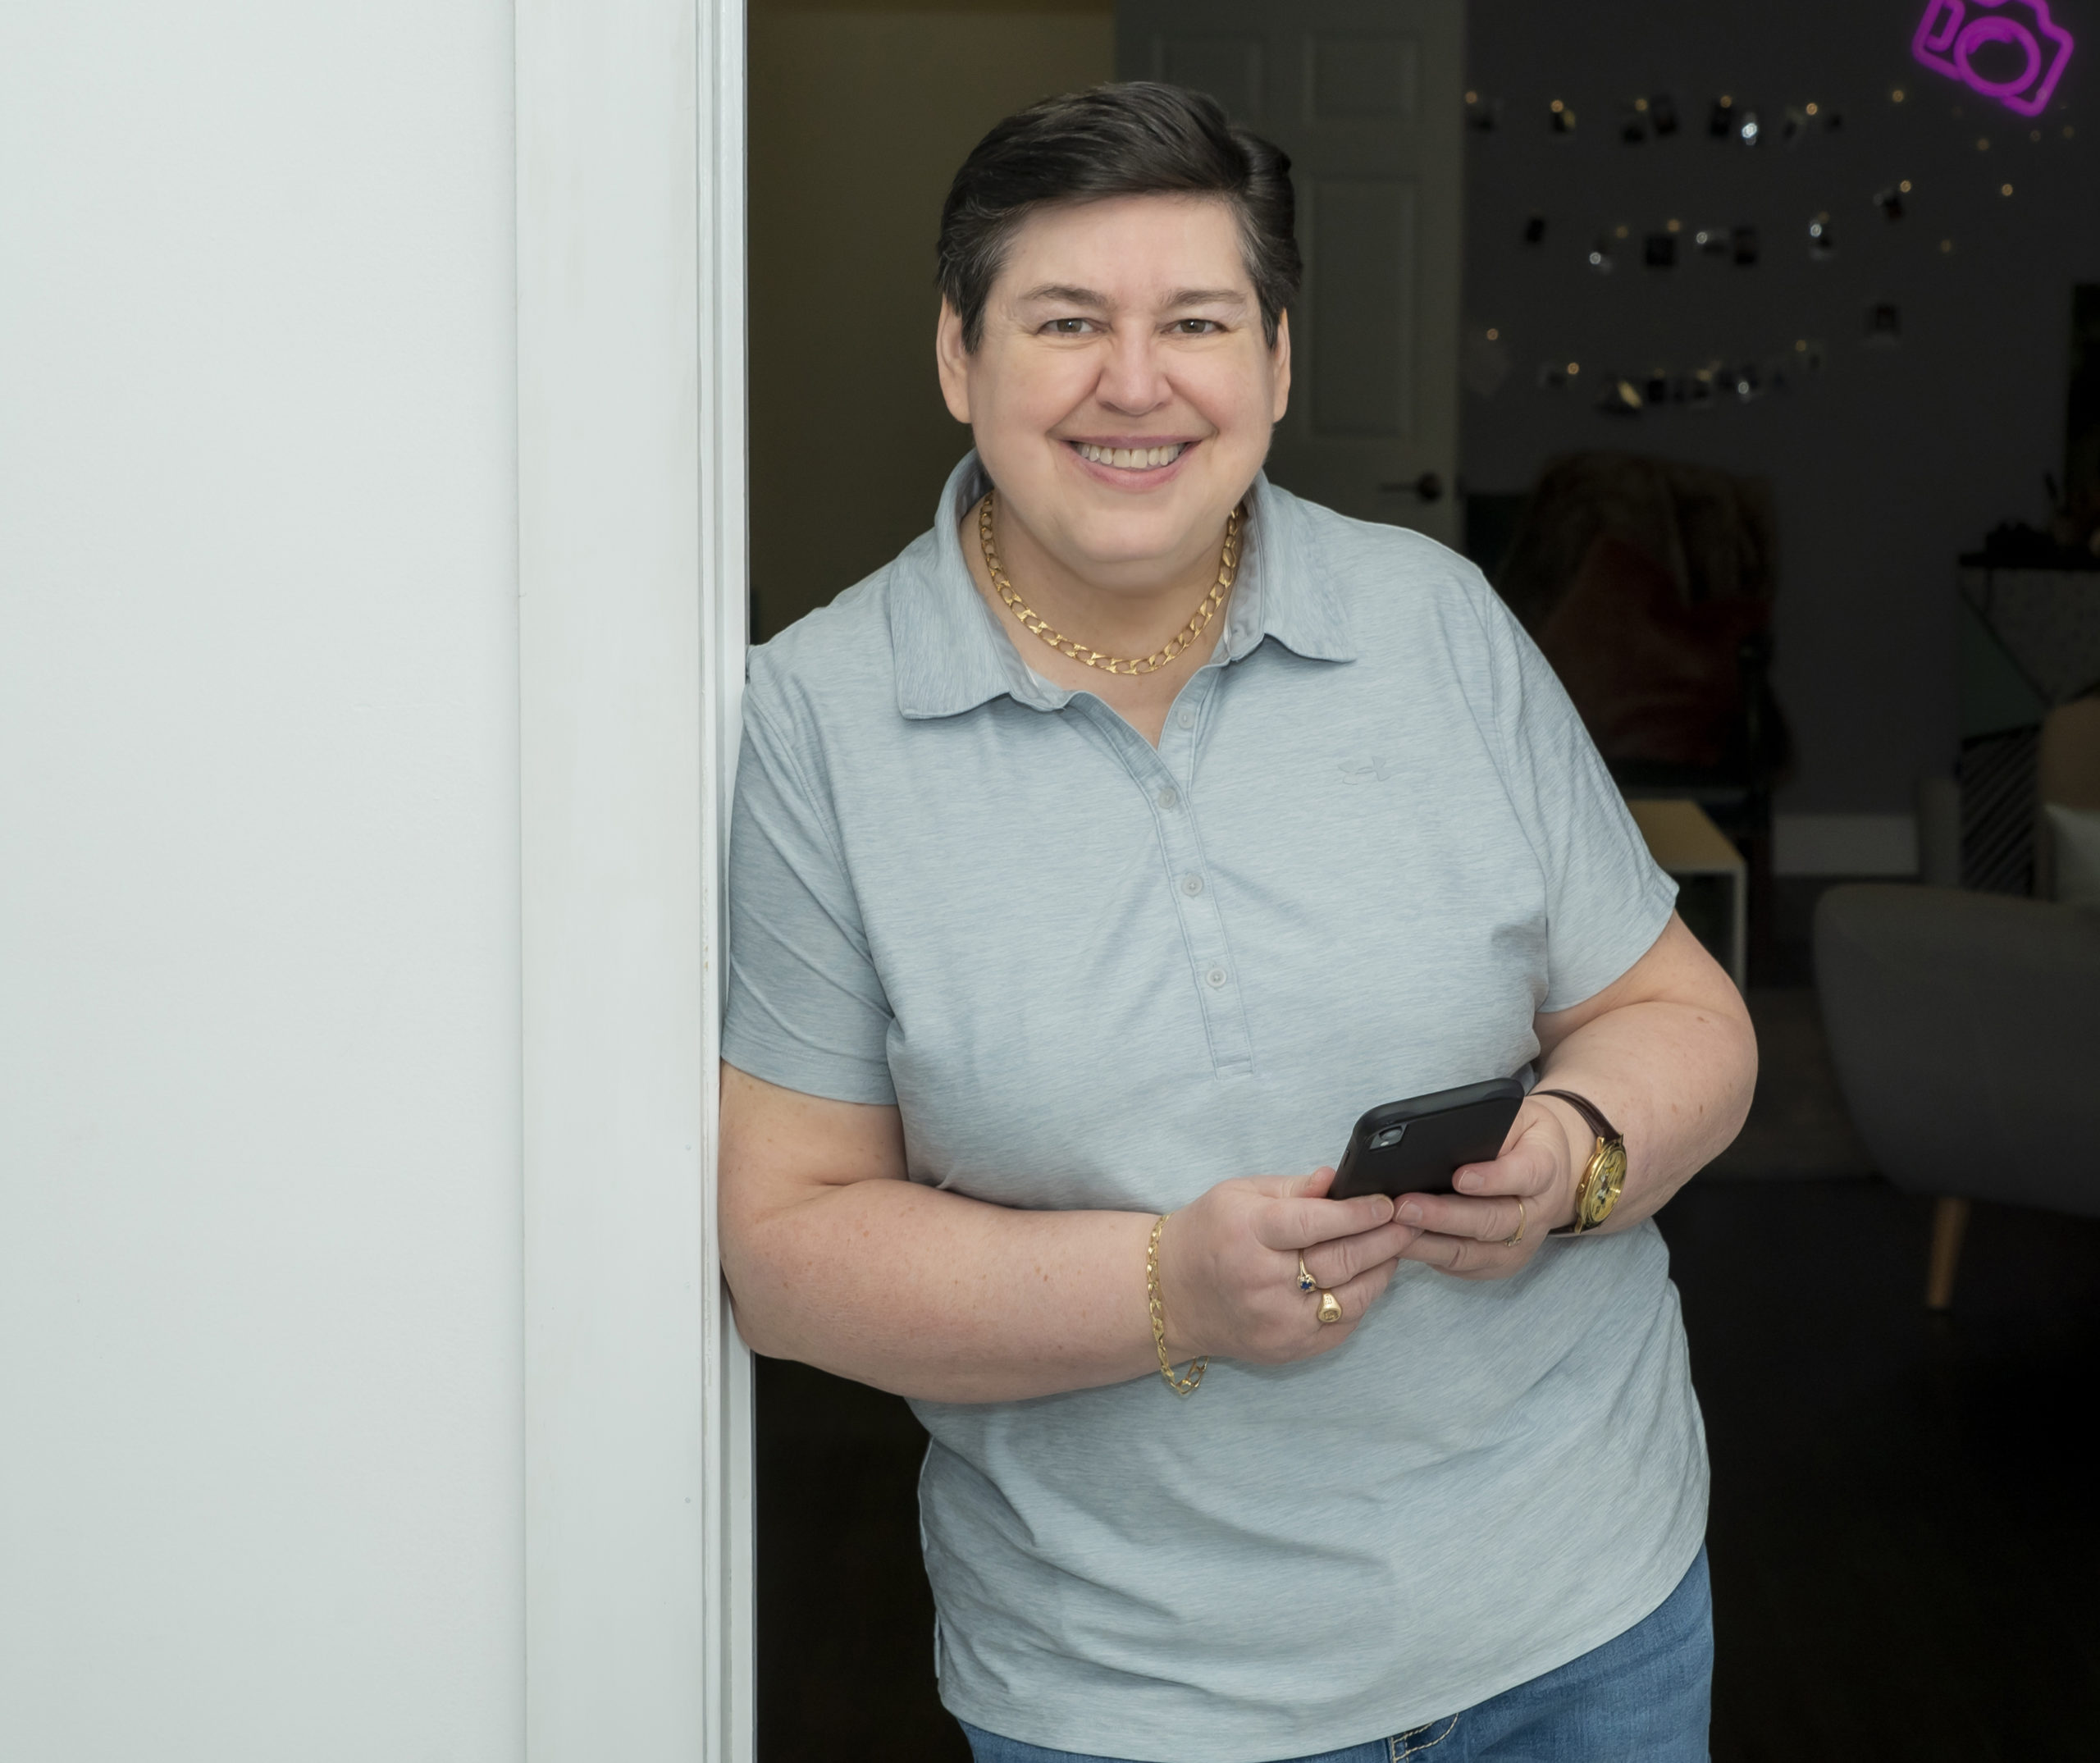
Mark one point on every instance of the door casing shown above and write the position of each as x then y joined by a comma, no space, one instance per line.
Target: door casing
632,543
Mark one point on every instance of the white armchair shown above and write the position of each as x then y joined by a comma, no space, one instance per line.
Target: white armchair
1966,1030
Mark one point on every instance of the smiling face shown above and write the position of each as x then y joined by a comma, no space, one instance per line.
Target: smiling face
1122,393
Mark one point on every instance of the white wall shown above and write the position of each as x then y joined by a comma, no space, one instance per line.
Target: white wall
260,1470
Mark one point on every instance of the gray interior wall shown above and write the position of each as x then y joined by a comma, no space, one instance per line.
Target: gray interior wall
1889,461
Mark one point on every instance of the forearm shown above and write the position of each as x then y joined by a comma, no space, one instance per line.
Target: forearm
931,1295
1675,1078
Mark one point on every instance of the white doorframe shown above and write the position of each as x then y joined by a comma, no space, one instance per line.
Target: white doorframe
631,474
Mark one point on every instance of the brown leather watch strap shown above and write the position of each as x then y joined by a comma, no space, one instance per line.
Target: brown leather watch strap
1587,1109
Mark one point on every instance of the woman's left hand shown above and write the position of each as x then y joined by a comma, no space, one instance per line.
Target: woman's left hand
1502,1211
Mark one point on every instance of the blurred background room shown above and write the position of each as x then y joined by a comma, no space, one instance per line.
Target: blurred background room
1753,353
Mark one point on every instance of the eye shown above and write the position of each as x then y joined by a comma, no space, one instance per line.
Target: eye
1196,326
1069,326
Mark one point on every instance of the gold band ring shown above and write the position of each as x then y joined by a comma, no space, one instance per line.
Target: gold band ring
1523,1217
1330,1307
1306,1282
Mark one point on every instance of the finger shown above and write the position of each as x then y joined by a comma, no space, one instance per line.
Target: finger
1295,1224
1448,1255
1313,1186
1537,1133
1467,1258
1529,1168
1336,1263
1490,1220
1355,1296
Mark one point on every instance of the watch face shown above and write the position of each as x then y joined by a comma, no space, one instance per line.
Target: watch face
1608,1167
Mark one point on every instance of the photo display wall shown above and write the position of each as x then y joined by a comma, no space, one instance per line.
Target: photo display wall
1668,245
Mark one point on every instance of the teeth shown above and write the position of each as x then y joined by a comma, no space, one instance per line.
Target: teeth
1132,459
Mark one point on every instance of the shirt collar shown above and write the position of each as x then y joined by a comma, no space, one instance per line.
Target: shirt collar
952,654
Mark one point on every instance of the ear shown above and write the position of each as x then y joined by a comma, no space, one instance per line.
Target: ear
952,359
1279,355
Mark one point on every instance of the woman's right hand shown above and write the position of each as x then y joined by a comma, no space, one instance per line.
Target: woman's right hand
1228,1267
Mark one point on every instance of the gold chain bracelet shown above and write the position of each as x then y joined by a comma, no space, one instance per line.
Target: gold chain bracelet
1180,1385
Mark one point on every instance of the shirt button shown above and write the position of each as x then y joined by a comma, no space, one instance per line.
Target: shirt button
1193,885
1184,718
1167,798
1217,974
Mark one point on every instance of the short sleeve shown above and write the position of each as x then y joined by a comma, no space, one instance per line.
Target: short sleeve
1606,900
807,1009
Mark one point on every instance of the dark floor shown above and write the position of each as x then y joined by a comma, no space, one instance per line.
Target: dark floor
1905,1540
1906,1534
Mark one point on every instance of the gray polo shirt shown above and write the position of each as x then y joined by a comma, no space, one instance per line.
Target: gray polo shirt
1373,841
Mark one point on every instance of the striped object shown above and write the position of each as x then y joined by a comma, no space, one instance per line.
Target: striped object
1997,811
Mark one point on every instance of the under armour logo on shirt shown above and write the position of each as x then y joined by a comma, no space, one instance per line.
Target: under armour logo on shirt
1363,770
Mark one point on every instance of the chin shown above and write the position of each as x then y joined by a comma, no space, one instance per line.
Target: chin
1132,534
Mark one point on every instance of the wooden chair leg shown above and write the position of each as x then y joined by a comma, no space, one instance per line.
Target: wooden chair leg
1950,1218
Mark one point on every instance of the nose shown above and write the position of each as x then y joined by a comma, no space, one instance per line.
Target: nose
1132,377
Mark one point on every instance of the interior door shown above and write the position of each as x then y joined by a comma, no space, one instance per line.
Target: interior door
1365,97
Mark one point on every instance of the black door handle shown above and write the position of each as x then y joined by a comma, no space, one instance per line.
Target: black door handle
1428,486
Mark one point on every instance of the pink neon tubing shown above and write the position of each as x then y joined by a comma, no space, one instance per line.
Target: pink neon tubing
1948,34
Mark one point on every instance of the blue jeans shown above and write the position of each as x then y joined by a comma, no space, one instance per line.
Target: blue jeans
1641,1698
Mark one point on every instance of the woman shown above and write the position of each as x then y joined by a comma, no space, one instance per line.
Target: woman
1095,865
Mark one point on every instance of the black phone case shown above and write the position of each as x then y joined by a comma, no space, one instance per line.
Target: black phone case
1438,1136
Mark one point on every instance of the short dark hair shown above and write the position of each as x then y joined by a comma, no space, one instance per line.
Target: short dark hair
1137,138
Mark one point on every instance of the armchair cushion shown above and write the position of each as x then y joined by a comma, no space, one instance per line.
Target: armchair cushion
2074,844
1966,1030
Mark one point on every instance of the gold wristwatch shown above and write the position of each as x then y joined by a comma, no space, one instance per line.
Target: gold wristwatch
1601,1182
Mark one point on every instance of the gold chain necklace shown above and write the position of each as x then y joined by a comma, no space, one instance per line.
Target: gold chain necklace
1228,566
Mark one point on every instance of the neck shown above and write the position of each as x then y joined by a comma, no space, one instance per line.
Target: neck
1124,613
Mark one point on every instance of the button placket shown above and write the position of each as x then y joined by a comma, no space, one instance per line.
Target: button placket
1195,901
1163,774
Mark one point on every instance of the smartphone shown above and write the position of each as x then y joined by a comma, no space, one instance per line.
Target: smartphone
1417,1146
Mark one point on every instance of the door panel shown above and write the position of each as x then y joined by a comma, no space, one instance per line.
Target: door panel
1364,95
1229,68
1357,325
1347,77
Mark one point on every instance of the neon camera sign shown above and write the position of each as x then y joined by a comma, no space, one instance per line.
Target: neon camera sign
2009,50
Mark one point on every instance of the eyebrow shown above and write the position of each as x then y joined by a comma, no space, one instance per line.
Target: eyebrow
1179,297
1058,290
